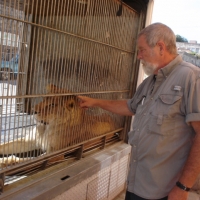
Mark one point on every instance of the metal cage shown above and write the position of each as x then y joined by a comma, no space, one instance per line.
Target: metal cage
51,51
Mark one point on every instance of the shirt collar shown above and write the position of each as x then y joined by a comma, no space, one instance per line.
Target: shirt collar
170,67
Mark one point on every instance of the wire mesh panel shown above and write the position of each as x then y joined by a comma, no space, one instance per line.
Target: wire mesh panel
106,184
51,51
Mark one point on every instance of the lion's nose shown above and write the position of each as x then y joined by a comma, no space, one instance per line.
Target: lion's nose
33,110
36,112
43,122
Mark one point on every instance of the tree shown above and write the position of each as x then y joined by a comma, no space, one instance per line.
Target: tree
180,39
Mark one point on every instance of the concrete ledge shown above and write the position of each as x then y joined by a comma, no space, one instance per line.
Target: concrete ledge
54,184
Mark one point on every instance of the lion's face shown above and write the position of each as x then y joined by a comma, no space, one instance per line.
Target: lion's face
58,109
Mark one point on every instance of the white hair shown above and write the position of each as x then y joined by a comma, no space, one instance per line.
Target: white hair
158,31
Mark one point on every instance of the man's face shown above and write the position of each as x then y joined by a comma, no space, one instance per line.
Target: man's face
147,56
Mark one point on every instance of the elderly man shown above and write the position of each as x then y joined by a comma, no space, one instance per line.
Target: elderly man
165,140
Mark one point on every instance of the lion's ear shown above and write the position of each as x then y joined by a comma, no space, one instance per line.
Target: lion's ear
70,102
51,88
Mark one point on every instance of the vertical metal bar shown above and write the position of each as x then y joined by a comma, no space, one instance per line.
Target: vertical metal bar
44,10
54,44
112,22
45,66
2,180
104,142
90,18
32,50
28,34
108,39
58,68
99,20
134,73
79,153
29,58
126,27
35,46
38,43
60,26
102,30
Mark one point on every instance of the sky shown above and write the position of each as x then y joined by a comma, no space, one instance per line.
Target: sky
182,16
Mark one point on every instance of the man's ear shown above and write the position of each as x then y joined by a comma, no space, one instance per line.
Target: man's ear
162,47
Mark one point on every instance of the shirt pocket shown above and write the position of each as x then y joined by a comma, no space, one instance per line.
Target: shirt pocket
170,99
161,125
163,118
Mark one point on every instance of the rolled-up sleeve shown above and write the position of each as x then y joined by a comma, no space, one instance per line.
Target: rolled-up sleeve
193,100
131,105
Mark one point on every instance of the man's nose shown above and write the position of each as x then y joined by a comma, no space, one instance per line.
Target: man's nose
139,56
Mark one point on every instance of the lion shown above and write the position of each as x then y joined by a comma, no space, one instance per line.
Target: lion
60,123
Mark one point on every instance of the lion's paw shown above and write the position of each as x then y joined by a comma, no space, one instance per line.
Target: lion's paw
7,161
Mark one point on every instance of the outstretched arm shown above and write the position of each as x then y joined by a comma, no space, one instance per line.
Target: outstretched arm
191,169
115,106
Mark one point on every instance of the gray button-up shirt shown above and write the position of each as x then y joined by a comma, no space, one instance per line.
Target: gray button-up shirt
162,136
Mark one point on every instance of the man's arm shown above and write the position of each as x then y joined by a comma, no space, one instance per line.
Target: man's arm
191,169
115,106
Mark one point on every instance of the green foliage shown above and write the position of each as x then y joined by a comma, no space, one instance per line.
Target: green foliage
180,39
197,56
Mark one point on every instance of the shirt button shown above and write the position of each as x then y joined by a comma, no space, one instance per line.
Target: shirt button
138,129
151,98
144,113
134,160
134,145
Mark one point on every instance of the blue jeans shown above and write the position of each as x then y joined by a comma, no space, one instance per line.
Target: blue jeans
131,196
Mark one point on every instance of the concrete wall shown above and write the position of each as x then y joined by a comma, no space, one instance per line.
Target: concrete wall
191,59
104,185
99,176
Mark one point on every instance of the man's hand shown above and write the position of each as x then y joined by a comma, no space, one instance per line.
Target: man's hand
115,106
86,102
177,194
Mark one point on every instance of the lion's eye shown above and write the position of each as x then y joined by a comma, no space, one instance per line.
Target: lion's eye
71,105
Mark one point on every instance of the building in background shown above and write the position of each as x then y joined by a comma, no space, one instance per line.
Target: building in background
190,52
188,47
193,41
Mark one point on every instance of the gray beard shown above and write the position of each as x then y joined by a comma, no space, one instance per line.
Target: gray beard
148,68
